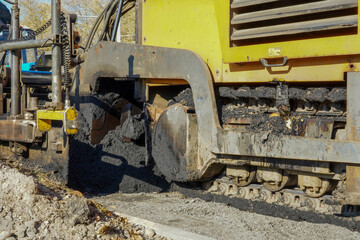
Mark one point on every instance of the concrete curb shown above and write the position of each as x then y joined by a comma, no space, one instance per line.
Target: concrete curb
166,231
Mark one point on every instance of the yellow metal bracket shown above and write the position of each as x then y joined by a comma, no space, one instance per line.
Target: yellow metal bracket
67,116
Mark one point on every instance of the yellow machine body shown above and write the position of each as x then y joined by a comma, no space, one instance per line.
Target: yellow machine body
67,116
204,27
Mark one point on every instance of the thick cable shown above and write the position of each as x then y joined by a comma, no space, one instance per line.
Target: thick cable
109,14
117,20
97,24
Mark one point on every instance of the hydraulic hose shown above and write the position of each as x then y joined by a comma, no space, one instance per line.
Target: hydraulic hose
97,24
106,16
117,20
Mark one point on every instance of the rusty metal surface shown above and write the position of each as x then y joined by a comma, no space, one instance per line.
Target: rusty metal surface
17,130
300,148
315,128
353,106
144,62
290,165
112,118
353,185
52,155
102,125
174,145
353,133
133,61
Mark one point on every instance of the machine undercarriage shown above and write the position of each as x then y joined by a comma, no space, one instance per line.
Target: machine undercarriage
279,113
286,142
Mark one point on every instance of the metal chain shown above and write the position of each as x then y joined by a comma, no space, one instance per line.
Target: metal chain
33,34
38,31
66,55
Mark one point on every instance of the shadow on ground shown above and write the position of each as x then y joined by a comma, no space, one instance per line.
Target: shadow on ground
112,167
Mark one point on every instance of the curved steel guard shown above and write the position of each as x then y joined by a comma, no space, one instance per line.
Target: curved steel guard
107,59
138,61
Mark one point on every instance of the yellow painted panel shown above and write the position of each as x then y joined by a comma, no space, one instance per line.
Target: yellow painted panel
342,45
50,115
203,27
71,114
44,125
185,24
297,70
67,116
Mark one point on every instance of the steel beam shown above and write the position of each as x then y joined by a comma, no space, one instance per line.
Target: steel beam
286,147
353,134
15,62
17,131
56,56
25,44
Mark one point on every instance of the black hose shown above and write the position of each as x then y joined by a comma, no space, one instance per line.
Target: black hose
105,17
117,20
109,14
97,24
124,9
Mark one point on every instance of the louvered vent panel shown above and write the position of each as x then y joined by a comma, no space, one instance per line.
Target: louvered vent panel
257,21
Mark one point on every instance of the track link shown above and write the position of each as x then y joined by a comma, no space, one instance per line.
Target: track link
290,204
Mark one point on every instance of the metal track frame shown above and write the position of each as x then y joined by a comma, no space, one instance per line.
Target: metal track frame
129,61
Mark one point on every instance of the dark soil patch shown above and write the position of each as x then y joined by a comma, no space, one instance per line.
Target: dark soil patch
117,163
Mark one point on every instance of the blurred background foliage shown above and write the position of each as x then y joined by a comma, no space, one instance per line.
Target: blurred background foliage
35,13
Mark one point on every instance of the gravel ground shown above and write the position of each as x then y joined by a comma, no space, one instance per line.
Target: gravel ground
33,208
217,220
